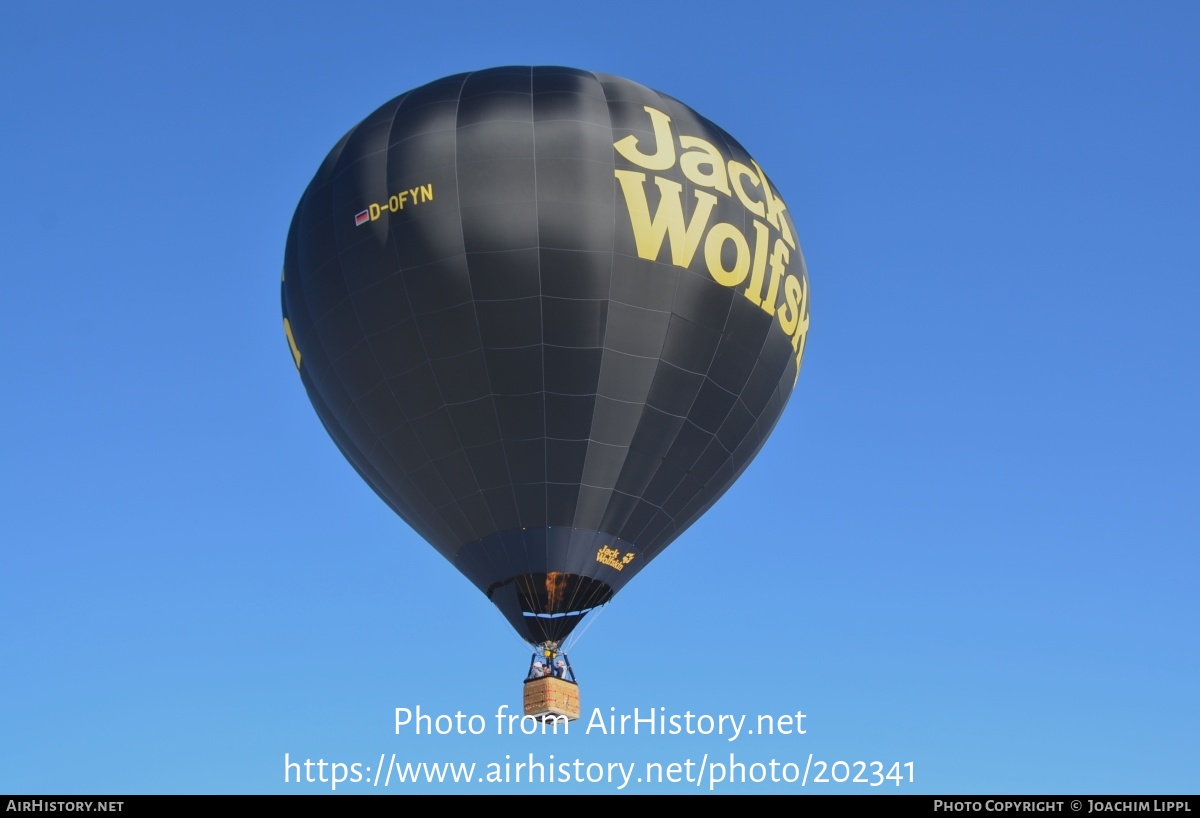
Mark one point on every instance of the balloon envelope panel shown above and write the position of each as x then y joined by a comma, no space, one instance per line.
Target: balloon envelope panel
549,316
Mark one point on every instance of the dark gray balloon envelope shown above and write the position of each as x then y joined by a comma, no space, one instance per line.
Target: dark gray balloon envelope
549,316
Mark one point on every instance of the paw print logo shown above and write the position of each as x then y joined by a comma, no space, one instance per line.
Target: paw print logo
628,558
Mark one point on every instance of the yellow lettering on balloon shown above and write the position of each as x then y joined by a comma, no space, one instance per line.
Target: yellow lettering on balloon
754,288
800,338
779,259
738,172
775,208
704,165
664,154
717,237
668,221
789,314
704,154
287,330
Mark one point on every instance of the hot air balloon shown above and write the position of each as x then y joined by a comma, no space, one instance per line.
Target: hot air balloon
549,316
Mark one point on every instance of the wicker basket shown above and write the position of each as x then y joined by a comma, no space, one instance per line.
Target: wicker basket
550,697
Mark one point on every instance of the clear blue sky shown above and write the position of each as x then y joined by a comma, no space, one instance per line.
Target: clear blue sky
971,543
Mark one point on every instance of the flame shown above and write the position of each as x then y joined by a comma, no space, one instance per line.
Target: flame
556,586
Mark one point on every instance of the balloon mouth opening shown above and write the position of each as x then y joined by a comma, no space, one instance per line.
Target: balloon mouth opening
546,607
557,594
